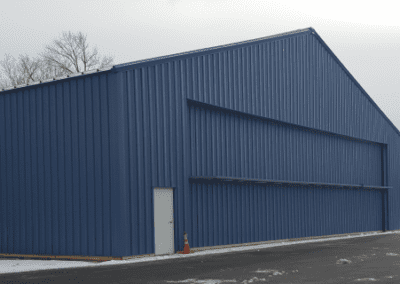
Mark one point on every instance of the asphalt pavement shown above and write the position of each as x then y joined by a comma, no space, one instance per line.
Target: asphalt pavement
356,260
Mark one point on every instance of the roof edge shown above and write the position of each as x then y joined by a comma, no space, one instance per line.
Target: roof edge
152,60
56,79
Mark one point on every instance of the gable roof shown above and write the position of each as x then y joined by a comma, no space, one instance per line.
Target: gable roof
314,33
199,52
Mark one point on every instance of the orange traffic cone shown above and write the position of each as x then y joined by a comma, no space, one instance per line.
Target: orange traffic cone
186,249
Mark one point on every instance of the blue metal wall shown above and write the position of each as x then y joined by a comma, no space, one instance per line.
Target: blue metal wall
56,168
79,157
230,214
293,80
224,144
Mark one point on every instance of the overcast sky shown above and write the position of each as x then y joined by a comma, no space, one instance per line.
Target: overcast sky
365,37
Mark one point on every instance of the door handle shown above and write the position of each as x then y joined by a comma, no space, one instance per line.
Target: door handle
171,221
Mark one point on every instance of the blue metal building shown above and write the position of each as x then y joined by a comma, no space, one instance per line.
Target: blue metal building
266,139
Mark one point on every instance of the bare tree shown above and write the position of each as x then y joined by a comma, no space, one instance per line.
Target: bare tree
12,72
71,54
68,54
3,82
30,68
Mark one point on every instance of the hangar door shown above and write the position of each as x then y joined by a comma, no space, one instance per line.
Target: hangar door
231,156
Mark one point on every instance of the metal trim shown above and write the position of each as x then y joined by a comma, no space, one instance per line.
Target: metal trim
238,180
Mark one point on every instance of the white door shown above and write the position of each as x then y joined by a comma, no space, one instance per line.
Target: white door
163,220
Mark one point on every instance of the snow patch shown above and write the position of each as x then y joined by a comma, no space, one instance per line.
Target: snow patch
390,253
270,272
206,281
253,279
366,279
343,261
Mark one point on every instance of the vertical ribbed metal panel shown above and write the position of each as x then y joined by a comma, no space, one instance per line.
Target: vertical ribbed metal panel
209,143
84,154
54,164
268,212
282,153
294,80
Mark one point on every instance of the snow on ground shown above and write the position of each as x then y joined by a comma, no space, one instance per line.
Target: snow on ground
21,265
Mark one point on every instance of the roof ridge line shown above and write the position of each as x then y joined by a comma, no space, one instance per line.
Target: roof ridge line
212,48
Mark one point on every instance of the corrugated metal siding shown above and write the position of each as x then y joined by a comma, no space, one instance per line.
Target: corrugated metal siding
293,80
277,152
156,152
55,181
394,180
230,214
102,142
287,80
